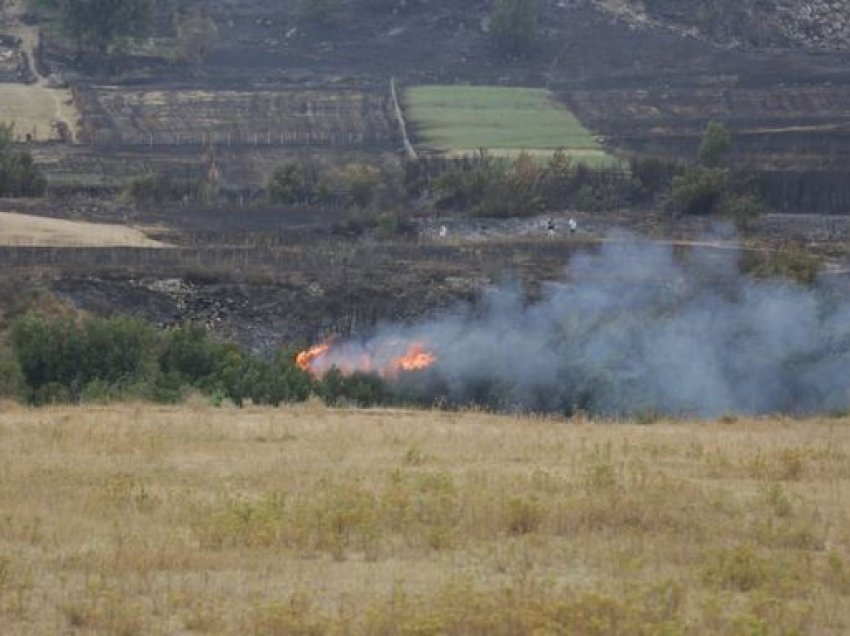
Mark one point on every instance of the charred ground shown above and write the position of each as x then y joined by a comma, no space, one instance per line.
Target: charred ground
644,83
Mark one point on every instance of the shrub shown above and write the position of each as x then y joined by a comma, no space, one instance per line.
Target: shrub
738,569
362,182
652,175
292,183
19,175
59,358
514,23
12,383
744,210
361,389
790,261
190,354
489,186
158,188
698,190
714,145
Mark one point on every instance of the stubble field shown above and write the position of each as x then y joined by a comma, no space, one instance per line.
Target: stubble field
154,520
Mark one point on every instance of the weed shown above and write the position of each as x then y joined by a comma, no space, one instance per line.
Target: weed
739,569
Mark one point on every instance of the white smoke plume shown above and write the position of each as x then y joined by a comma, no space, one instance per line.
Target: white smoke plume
637,330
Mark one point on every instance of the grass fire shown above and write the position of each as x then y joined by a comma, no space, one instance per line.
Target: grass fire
386,359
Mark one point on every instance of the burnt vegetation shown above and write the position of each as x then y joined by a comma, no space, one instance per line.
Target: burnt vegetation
262,142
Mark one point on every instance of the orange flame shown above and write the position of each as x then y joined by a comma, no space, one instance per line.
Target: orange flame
417,358
318,359
305,359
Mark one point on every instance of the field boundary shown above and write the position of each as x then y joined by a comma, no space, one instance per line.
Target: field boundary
399,114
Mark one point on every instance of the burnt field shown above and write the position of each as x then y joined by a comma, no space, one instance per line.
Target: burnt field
125,132
276,88
794,135
276,80
268,293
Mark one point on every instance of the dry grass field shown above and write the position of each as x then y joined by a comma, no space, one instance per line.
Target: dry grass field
35,109
154,520
35,231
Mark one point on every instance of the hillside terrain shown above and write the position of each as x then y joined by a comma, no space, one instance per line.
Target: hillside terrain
181,136
817,25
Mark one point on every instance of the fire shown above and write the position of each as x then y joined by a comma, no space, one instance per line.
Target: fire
305,359
417,358
383,359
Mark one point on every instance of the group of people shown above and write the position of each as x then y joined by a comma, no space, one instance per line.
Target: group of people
572,225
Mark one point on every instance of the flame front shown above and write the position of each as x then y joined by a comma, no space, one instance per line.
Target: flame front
305,359
383,360
417,358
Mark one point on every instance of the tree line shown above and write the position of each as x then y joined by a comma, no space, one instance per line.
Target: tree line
70,360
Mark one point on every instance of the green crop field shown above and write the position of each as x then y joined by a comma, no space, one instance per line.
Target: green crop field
504,120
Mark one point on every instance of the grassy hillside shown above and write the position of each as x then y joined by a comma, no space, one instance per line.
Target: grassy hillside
504,120
139,520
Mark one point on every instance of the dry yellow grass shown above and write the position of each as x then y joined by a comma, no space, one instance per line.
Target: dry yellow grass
35,109
27,230
154,520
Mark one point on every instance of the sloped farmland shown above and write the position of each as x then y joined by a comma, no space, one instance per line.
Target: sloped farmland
337,118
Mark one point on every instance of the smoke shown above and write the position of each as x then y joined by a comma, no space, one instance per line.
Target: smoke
637,330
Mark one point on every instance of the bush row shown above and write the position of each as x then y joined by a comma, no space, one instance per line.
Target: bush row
56,360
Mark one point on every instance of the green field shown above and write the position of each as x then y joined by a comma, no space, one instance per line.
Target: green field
504,120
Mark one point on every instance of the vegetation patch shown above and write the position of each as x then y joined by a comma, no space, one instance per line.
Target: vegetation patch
38,113
503,120
36,231
306,520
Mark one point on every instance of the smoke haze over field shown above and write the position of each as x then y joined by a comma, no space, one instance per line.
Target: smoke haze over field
638,331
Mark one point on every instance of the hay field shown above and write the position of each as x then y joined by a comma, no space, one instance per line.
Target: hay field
303,520
24,230
504,120
35,109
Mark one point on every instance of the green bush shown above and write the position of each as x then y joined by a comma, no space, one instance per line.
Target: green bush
514,23
698,190
59,358
292,183
714,145
12,383
362,182
744,210
791,261
159,188
361,389
19,176
190,355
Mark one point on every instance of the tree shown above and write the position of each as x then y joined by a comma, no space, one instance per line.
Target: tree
698,190
714,145
98,24
744,210
290,184
514,23
19,176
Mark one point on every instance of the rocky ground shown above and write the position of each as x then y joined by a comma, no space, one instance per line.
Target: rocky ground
814,25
